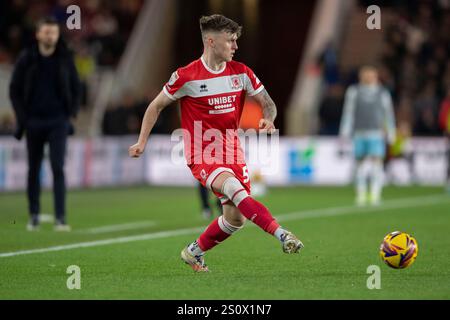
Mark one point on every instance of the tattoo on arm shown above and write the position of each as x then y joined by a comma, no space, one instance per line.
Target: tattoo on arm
268,106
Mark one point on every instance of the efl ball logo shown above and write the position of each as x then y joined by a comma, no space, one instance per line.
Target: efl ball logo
398,250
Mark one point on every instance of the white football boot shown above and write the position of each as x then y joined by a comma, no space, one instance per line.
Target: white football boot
197,263
291,244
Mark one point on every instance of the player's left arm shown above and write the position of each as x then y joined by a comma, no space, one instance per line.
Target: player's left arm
269,111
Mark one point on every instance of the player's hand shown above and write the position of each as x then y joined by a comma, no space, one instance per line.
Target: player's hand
266,125
136,150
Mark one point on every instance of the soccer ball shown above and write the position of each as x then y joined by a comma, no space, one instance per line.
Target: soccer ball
398,250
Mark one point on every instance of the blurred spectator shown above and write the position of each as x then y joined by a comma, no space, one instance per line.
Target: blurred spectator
330,110
106,37
106,25
416,53
126,12
85,65
123,119
328,60
44,92
162,125
112,123
425,110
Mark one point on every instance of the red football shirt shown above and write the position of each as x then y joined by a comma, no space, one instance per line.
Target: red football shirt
211,107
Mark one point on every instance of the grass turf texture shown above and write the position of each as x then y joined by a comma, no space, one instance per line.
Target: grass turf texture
249,265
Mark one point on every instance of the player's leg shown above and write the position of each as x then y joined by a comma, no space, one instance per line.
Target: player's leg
219,230
377,154
35,152
57,144
376,181
362,170
361,181
232,215
226,183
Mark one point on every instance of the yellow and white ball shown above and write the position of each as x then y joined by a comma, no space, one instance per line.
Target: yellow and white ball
398,250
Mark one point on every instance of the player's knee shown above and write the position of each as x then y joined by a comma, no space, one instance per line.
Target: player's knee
233,216
239,220
217,184
236,222
234,190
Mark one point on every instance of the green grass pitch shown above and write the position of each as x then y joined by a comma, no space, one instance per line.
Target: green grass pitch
341,241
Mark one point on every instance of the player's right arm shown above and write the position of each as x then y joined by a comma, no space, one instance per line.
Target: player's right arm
172,91
150,117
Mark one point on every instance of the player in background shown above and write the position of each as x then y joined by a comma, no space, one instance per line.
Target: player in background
207,212
212,92
368,117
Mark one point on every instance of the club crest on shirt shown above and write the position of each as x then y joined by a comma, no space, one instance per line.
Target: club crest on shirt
236,83
203,174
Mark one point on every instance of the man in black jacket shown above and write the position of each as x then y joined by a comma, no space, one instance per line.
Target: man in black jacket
45,92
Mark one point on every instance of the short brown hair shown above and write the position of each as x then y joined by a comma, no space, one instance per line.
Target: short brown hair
46,21
218,22
367,68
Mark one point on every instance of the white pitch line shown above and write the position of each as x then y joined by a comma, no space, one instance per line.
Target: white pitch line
391,204
119,227
140,237
316,213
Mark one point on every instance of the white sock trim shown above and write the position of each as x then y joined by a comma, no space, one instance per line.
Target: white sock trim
226,227
377,180
279,233
362,175
234,190
194,249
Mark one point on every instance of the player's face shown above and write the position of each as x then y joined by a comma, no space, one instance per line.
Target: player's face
225,45
369,77
48,35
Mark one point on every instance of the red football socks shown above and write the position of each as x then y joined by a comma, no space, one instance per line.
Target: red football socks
212,236
258,214
219,229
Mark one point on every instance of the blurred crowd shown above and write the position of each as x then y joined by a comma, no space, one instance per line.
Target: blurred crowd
414,66
105,27
125,116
